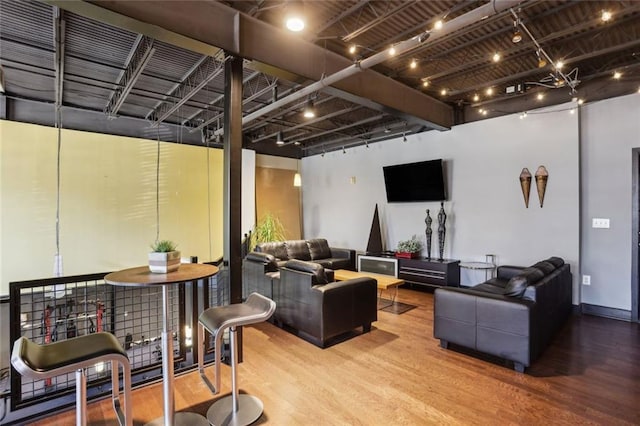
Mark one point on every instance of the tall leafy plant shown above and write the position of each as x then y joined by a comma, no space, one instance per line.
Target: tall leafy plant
269,228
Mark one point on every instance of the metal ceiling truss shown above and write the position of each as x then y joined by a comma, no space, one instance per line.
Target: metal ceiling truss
348,12
209,69
378,20
140,55
339,129
245,101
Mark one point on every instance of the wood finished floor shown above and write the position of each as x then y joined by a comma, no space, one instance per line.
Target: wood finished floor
398,375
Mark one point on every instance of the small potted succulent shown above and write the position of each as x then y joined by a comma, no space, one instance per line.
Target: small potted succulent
409,248
164,257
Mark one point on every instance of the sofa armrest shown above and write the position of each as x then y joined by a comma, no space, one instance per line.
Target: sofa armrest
506,272
342,253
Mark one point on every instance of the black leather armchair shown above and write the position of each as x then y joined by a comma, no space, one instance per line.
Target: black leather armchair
318,310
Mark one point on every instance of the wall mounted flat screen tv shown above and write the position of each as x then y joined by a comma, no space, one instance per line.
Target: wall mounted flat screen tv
421,181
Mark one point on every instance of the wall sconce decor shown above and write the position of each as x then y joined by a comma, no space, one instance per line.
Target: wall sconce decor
525,185
542,176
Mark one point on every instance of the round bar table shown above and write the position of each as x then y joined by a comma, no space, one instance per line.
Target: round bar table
142,277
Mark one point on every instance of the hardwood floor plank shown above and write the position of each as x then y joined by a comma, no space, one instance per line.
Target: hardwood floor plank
399,375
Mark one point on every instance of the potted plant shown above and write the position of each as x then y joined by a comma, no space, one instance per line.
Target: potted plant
268,229
164,257
409,248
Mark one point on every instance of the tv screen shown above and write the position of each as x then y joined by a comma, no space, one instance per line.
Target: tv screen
422,181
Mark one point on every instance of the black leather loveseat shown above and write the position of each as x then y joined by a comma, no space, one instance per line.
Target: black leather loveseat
513,316
316,250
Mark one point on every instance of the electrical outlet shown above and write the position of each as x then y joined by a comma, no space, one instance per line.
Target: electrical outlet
586,280
600,223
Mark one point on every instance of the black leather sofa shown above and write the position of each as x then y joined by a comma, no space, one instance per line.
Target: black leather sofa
316,250
513,316
316,309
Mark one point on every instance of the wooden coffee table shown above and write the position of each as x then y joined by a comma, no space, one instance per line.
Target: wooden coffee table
384,281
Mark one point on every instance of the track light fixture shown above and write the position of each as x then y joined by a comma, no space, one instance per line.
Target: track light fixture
617,75
438,25
344,151
606,16
413,64
279,139
516,37
352,49
496,57
404,136
542,62
476,97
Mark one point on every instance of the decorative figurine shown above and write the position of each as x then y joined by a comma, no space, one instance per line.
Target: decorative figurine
428,232
442,230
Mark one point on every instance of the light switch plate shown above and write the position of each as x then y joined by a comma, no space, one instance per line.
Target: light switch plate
586,280
600,223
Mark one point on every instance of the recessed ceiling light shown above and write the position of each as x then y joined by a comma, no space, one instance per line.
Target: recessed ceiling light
606,16
295,24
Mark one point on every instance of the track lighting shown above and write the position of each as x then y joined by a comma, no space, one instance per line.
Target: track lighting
476,97
438,25
443,92
540,96
617,75
542,62
279,139
413,64
606,16
523,115
392,51
352,49
404,136
309,110
517,35
344,151
425,82
489,91
496,57
559,65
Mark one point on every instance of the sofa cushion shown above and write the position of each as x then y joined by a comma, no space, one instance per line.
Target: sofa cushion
317,271
545,267
518,284
276,248
556,261
319,248
297,249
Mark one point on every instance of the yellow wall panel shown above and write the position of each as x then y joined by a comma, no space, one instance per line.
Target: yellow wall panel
107,201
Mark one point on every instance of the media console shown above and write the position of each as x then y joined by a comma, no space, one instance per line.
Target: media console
418,271
430,272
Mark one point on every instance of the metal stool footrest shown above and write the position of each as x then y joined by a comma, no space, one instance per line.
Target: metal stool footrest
233,409
36,361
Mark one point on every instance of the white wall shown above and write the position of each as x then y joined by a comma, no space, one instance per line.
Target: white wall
610,129
486,212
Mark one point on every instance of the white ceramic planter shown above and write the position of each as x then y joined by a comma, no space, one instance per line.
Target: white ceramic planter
161,263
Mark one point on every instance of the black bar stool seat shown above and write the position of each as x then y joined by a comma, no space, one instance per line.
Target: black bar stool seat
39,362
233,409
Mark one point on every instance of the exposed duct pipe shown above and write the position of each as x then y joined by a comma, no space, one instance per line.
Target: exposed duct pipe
478,14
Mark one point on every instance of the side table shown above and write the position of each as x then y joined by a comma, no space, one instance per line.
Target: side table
488,266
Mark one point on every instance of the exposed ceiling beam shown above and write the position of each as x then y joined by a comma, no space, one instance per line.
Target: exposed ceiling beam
372,24
207,71
138,59
215,24
339,18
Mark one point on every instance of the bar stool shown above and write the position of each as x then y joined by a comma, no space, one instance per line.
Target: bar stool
233,409
36,361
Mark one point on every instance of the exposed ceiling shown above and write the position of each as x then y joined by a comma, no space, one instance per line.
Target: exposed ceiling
156,69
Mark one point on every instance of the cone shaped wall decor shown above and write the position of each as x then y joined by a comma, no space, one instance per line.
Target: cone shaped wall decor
542,176
525,184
